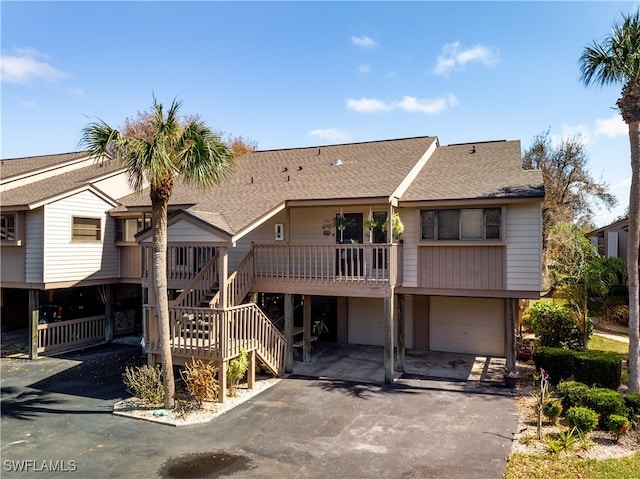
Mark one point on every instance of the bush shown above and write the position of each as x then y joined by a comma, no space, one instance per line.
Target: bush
582,418
594,368
552,410
200,379
632,401
605,402
235,372
572,394
618,425
144,382
617,313
554,325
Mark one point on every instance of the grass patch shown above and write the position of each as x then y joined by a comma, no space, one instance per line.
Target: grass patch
600,343
520,466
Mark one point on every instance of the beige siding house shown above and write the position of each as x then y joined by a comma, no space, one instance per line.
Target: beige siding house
300,245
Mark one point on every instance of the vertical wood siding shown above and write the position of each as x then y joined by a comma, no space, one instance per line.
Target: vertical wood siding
410,219
524,247
67,260
462,267
34,246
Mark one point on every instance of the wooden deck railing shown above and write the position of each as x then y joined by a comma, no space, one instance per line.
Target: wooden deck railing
217,335
238,284
368,263
183,262
203,283
67,334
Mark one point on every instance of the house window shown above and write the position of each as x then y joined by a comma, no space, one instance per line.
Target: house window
469,224
126,228
8,227
86,229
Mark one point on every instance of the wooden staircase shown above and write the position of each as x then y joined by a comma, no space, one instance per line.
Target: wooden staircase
199,321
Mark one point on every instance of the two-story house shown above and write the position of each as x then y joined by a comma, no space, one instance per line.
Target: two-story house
314,227
309,236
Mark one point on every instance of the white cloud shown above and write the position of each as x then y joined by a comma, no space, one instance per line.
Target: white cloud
367,105
26,65
428,106
332,134
30,103
580,132
363,42
624,184
363,68
612,127
454,57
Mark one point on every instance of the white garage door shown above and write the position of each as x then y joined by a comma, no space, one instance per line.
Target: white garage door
467,325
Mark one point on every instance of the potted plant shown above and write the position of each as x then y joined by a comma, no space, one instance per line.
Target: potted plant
510,378
370,224
397,227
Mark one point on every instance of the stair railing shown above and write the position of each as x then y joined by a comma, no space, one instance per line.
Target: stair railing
202,284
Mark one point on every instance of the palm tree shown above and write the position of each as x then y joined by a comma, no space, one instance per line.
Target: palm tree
616,60
157,149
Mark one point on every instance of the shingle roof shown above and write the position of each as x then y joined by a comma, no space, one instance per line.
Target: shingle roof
265,179
19,166
475,171
56,185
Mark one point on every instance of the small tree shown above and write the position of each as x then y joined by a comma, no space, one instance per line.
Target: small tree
553,325
579,272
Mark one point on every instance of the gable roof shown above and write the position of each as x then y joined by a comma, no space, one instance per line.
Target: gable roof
475,171
51,178
264,180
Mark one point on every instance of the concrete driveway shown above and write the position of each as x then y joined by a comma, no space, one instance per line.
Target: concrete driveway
57,421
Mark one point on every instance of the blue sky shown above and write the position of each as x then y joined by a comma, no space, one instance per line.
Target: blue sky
289,74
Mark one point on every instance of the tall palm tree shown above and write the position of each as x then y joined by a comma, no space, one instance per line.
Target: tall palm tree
157,149
616,60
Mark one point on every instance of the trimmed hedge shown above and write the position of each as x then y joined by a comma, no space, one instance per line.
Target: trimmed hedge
606,403
572,394
583,418
632,401
593,368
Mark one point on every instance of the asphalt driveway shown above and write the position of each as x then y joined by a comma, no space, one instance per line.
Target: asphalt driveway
57,422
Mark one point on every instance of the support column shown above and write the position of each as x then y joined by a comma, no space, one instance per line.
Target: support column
108,313
288,332
401,333
222,381
223,257
512,305
388,338
251,372
34,311
306,329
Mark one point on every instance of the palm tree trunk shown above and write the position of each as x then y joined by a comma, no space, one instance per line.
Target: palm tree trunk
632,259
159,222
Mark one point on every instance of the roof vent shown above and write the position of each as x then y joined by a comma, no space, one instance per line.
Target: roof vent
336,162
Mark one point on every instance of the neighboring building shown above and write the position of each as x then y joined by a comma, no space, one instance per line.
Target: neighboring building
313,227
57,246
612,239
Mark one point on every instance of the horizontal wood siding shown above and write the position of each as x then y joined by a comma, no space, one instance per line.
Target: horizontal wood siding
524,248
34,246
67,260
461,267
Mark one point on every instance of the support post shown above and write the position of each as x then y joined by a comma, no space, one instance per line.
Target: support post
223,274
288,332
388,338
108,313
306,329
512,305
401,333
222,381
251,373
34,308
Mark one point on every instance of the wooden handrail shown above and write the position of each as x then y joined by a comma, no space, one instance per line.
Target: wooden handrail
238,284
200,286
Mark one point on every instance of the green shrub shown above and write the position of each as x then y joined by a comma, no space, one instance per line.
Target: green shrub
552,410
582,418
554,325
605,402
235,372
618,425
572,394
594,368
144,382
597,368
632,401
200,379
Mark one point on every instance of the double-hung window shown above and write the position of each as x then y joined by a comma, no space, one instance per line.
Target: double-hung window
86,229
468,224
8,227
